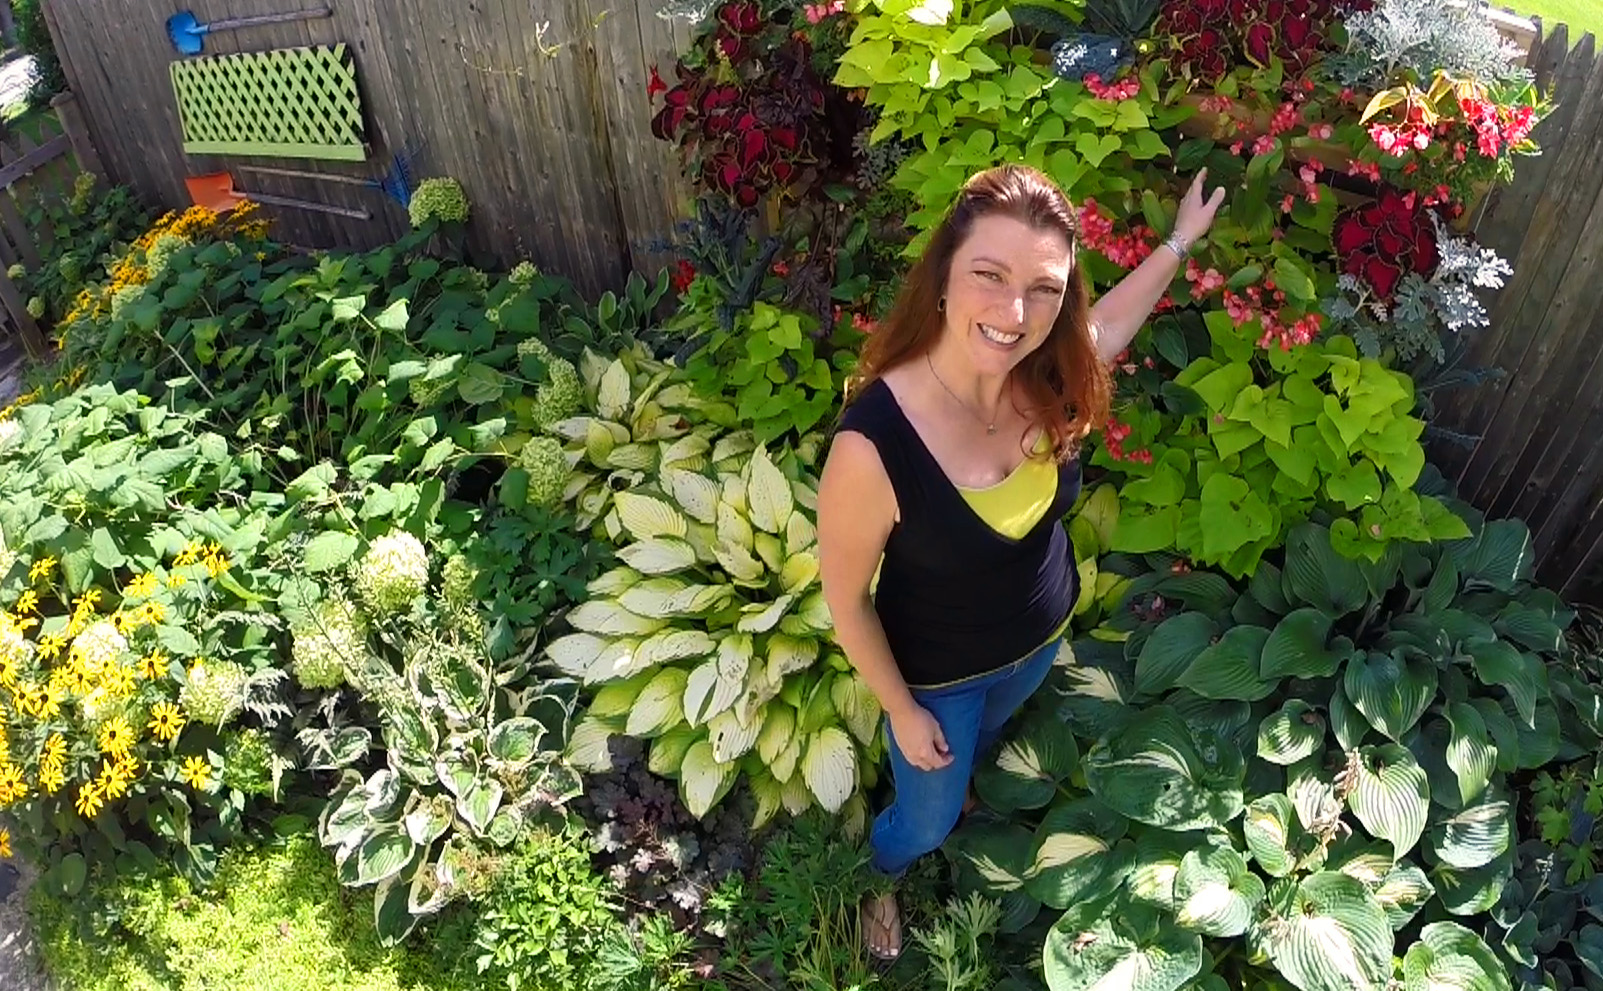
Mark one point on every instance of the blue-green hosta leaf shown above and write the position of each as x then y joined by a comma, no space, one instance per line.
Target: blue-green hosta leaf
1328,933
1228,669
1029,767
1267,587
1540,742
1296,730
1529,627
1296,648
1390,796
1114,943
1449,957
1476,835
1268,828
1170,650
1500,557
1215,894
1156,864
1504,735
1391,694
1346,721
1317,575
1072,851
1470,753
1475,890
393,919
992,858
1402,893
1158,771
1498,662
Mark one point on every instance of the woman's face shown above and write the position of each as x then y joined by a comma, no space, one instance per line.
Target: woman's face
1004,291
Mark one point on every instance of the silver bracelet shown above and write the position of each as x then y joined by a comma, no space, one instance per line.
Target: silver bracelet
1179,245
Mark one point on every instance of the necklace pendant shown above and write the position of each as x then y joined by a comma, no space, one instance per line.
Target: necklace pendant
990,430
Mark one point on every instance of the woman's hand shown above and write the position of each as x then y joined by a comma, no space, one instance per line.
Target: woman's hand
919,737
1196,214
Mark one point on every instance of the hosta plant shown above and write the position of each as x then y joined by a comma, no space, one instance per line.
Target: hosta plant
712,640
1308,776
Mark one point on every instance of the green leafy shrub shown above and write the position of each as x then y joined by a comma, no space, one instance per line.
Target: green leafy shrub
1319,764
274,918
87,229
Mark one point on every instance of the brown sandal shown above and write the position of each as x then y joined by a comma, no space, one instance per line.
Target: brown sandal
882,926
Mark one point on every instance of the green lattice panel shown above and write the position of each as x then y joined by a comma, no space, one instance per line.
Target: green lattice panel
289,103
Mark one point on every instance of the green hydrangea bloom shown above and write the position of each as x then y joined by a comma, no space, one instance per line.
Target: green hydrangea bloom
547,466
524,274
16,271
10,431
71,269
122,298
160,253
561,397
392,574
214,693
456,582
441,199
36,307
248,763
332,638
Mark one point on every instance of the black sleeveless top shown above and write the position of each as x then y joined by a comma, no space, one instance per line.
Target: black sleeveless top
957,599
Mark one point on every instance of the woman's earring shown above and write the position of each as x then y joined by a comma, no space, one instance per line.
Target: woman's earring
941,306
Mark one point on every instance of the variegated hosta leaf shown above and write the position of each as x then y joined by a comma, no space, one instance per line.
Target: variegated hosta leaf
784,766
734,494
616,698
1312,794
612,392
1115,943
654,598
611,619
660,705
1157,864
759,617
731,739
768,494
742,568
1470,753
671,645
735,444
696,494
716,683
633,457
577,482
600,438
778,728
857,707
686,450
992,858
1072,851
592,366
800,534
1028,767
668,750
806,496
788,655
1391,693
1449,957
613,583
1476,835
1267,829
1327,933
1293,732
702,780
1402,893
1215,894
769,796
769,550
704,539
830,767
733,527
1162,772
799,573
1391,798
577,655
646,516
588,746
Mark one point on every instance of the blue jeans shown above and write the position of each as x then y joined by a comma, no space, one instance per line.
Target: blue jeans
928,803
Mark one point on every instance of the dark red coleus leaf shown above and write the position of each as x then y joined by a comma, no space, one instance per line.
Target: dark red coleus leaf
753,147
1260,42
743,17
746,196
1383,275
1351,234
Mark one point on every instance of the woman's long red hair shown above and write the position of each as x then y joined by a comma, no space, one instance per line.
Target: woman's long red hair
1068,388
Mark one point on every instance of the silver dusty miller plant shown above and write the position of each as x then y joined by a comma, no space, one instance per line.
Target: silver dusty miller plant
1425,314
1422,37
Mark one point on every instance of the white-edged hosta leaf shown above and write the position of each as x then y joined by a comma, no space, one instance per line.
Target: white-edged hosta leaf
576,653
1498,662
1157,864
655,598
1470,753
1391,797
1296,730
799,572
800,534
1170,650
768,494
611,619
668,751
857,707
703,693
658,556
1475,890
1267,828
589,746
1161,772
1392,694
702,780
1475,835
731,739
1449,957
761,617
633,457
1215,893
1071,851
1312,792
672,645
778,728
660,705
1228,670
384,853
830,767
1114,943
992,858
1327,933
788,655
784,766
769,551
1402,893
1296,647
1029,766
647,516
613,583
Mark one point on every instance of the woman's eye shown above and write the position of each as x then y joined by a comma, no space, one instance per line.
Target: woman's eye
988,275
1049,290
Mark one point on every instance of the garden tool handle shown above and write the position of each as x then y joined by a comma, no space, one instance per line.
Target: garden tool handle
259,19
299,174
342,211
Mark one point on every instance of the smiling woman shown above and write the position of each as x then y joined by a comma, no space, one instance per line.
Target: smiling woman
954,463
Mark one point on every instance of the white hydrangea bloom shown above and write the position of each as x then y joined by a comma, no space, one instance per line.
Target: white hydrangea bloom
393,573
324,646
214,693
99,645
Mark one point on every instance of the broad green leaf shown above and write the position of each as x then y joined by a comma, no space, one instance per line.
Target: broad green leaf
1474,890
481,384
1320,577
646,517
383,854
1158,771
1391,694
1296,648
1346,722
1029,767
1294,731
515,741
702,779
1328,933
1215,893
1498,662
1268,829
1170,650
1474,836
830,767
1470,753
479,801
1113,943
1390,796
1402,893
1500,557
992,858
1072,851
1228,669
1449,957
329,550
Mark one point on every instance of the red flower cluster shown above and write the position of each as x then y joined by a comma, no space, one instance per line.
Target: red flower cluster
684,273
1385,240
759,132
1125,89
1497,127
1203,282
1115,434
1266,305
1213,36
1124,250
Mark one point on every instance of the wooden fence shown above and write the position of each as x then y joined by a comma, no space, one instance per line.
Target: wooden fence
34,175
539,109
1539,456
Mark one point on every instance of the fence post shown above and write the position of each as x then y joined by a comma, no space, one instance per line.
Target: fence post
77,130
33,339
